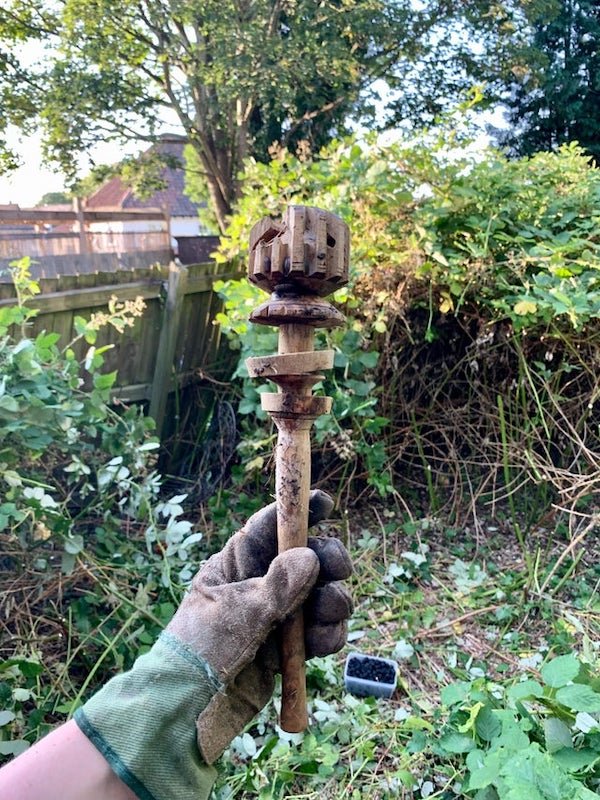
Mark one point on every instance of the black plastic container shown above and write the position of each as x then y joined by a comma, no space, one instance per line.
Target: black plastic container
372,676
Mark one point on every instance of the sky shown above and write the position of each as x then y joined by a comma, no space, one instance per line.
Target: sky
33,179
30,182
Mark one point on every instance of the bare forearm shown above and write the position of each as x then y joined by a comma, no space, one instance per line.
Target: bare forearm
64,765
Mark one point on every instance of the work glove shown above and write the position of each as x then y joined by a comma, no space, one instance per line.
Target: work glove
161,724
237,599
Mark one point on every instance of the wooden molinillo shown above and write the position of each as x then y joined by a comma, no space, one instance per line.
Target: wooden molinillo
299,260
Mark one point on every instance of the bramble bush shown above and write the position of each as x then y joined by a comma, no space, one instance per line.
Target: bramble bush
435,386
473,349
94,559
469,366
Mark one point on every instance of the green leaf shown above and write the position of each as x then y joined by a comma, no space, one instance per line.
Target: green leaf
340,359
522,774
473,714
524,307
575,760
80,325
585,722
12,478
513,738
9,404
455,693
417,742
369,359
248,406
557,735
560,671
105,381
579,697
524,690
67,563
47,340
6,717
455,742
406,778
475,760
440,258
74,544
488,772
487,724
27,667
14,747
489,793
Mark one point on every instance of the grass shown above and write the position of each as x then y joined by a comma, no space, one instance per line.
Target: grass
465,612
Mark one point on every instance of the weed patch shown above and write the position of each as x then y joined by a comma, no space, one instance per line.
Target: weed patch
492,683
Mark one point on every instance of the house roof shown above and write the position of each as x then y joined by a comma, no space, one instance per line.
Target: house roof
116,194
112,193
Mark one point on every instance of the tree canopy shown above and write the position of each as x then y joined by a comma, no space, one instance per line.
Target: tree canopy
555,98
53,198
239,76
236,75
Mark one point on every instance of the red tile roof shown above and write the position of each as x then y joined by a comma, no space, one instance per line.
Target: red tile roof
116,194
112,193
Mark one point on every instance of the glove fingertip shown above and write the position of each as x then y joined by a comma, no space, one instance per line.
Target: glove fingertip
336,564
262,522
320,506
323,640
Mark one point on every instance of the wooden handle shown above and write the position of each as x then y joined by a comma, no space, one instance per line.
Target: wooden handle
292,483
295,369
294,410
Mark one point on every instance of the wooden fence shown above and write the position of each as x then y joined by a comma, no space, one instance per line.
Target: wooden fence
172,345
71,242
41,245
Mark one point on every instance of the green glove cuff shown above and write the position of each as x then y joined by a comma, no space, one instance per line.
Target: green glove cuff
144,722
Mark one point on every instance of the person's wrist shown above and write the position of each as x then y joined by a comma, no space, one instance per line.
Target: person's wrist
144,722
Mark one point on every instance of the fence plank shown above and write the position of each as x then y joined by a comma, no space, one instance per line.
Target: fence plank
170,346
162,380
20,216
89,298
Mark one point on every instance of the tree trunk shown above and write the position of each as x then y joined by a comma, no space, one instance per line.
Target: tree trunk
221,188
222,204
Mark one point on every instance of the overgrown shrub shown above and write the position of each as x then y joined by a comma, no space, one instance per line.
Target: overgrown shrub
93,562
93,559
469,369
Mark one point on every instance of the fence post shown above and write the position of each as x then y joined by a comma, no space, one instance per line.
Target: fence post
167,213
78,208
163,370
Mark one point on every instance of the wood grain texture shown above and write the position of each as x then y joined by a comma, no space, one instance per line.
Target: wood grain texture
166,350
292,486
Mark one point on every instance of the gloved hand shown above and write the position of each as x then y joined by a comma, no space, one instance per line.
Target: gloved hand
229,615
214,666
